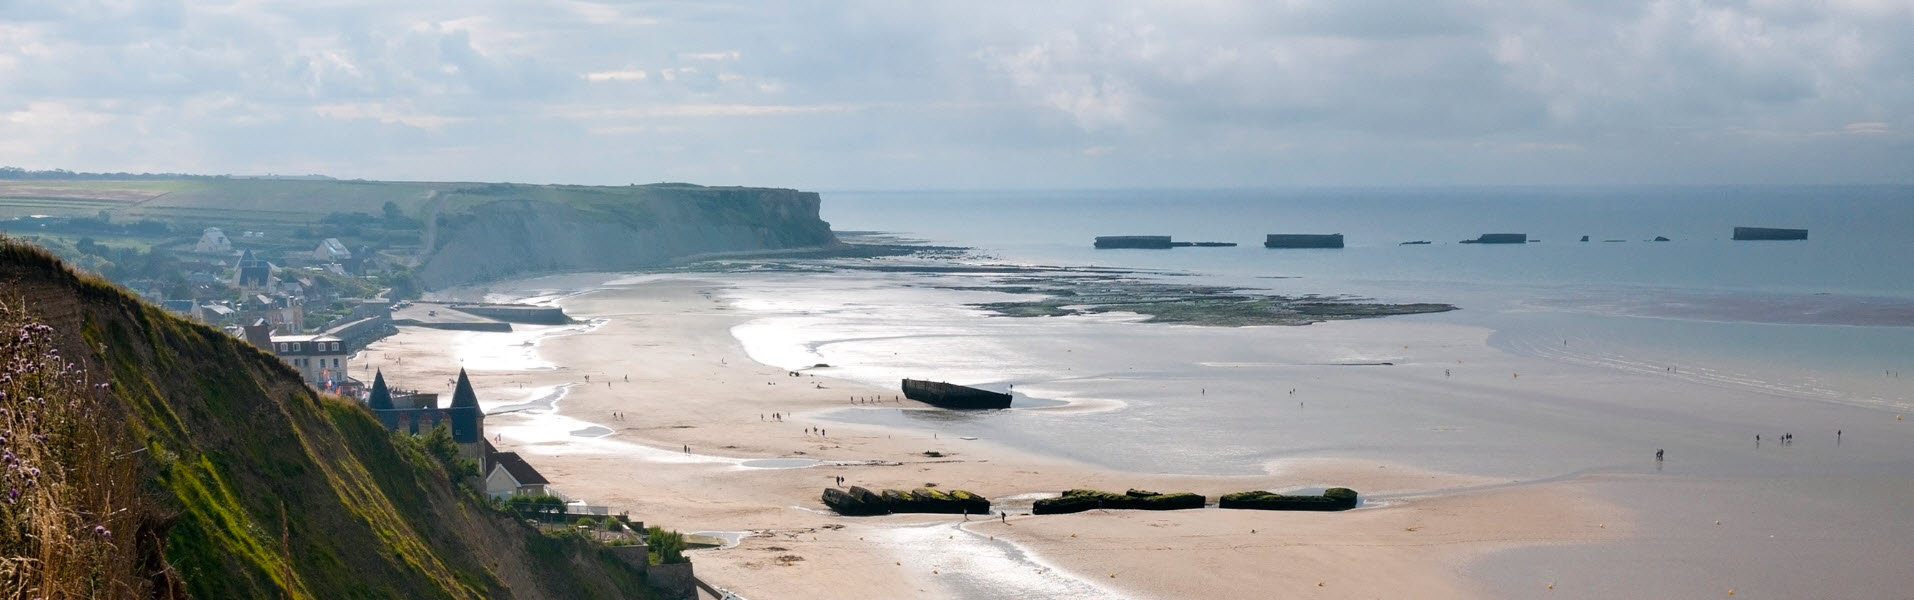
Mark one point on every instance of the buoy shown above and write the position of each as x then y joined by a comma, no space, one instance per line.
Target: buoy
1113,575
1717,522
900,563
933,571
1319,584
1551,586
1073,535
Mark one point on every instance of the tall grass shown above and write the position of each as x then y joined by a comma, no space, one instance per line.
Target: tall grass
70,505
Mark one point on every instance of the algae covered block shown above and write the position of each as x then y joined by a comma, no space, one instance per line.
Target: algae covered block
1332,499
1079,500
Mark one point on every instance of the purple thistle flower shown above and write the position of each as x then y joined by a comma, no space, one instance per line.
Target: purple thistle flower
100,530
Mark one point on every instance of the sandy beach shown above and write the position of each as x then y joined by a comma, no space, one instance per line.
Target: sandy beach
686,408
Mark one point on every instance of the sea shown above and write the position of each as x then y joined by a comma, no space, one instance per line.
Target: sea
1733,339
1829,319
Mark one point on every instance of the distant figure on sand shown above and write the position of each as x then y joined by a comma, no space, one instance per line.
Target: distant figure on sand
687,448
1658,455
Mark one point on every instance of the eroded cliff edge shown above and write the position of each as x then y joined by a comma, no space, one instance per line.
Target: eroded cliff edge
498,231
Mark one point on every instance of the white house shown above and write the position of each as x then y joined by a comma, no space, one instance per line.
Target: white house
212,241
512,475
320,358
331,250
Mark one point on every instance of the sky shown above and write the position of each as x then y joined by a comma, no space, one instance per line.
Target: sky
970,94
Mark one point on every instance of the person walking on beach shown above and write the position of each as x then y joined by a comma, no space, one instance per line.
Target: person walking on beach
1658,455
1005,516
687,448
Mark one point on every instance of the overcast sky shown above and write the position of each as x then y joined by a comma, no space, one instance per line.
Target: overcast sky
893,94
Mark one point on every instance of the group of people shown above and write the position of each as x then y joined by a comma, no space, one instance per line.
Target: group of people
1787,439
873,399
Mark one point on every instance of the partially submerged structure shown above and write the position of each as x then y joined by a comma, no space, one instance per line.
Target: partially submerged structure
1769,233
1500,238
1303,240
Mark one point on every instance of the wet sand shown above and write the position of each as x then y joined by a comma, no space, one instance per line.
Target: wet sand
1438,525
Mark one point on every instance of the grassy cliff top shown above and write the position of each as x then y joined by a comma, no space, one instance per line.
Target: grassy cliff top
264,203
244,483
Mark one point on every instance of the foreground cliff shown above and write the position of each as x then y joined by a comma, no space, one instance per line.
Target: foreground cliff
495,231
149,457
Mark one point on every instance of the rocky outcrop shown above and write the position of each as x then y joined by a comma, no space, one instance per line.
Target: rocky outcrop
494,232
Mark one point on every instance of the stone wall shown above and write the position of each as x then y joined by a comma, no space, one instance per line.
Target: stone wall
674,581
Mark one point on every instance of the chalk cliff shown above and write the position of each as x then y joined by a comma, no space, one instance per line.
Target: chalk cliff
502,231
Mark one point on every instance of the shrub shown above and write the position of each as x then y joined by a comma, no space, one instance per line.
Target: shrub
668,545
71,512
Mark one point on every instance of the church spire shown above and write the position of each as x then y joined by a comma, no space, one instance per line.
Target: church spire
381,398
462,396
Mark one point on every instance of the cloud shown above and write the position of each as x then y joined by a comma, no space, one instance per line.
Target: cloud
619,75
1055,94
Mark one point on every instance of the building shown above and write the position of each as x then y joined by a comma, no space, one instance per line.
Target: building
212,241
511,475
283,312
331,251
321,359
254,275
416,413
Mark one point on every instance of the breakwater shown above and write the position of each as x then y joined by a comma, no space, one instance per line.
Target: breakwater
1769,233
1499,238
1302,240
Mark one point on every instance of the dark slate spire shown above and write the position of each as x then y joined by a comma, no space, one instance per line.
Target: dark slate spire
462,396
381,398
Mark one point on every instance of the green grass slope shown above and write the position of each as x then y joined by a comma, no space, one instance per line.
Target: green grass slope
257,487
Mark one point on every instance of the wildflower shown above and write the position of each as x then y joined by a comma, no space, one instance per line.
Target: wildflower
13,495
100,530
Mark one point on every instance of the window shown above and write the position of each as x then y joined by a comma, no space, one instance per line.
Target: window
282,346
295,346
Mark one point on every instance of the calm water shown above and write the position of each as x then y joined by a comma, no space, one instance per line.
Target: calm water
1840,303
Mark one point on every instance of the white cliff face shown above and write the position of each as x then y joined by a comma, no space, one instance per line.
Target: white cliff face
510,237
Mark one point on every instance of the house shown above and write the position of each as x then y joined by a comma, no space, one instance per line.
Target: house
511,475
331,251
285,313
214,314
255,275
416,413
321,359
212,241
